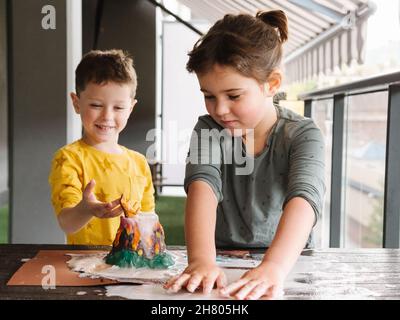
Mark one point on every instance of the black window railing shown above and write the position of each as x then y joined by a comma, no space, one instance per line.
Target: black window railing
389,83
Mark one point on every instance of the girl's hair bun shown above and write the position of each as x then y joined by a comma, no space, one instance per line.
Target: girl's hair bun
276,19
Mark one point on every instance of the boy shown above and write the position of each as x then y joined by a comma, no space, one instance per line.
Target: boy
89,176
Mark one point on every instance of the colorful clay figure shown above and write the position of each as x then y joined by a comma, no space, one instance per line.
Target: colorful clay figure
139,241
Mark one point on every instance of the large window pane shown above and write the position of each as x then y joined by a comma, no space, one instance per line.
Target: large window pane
365,148
322,115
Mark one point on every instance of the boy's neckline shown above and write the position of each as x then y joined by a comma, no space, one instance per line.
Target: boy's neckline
101,151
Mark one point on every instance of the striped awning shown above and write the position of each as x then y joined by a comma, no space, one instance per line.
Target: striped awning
323,34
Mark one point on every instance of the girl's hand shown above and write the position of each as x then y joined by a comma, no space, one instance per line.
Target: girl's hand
266,280
198,274
96,208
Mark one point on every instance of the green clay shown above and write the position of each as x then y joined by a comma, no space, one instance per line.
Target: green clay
130,259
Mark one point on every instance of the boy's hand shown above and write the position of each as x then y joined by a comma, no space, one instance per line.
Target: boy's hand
266,280
94,207
196,275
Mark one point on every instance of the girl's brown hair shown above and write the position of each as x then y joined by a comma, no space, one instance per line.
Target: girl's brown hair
251,45
102,66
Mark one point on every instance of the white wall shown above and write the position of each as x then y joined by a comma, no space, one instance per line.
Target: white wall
182,101
74,55
3,106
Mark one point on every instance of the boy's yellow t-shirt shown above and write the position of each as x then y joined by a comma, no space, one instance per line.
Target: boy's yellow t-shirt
73,167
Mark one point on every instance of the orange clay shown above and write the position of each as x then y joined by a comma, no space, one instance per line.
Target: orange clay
136,207
136,238
157,248
160,227
117,236
128,228
129,208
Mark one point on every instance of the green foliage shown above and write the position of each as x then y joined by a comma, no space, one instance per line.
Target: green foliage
4,224
373,237
171,213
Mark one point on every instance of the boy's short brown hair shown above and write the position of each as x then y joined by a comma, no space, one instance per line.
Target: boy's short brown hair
102,66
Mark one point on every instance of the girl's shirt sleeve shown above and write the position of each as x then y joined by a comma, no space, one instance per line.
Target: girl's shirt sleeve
203,162
307,168
65,182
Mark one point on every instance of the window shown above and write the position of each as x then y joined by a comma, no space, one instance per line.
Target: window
322,115
364,169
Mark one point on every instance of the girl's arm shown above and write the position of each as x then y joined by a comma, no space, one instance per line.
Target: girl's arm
200,219
291,236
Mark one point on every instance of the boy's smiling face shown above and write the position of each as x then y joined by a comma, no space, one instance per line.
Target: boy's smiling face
104,109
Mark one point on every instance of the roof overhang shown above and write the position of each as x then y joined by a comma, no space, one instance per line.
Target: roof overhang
322,34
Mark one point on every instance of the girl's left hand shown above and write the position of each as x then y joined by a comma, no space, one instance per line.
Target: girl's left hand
266,280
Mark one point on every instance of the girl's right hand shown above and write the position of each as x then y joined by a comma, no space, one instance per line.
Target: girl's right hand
196,275
90,205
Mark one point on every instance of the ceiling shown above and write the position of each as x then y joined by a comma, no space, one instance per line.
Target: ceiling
323,35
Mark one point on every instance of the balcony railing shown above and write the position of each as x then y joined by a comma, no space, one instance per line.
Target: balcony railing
342,97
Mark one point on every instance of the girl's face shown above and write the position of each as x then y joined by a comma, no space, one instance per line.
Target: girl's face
233,100
104,110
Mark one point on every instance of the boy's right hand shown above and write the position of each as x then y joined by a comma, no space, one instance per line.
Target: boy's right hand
198,274
90,205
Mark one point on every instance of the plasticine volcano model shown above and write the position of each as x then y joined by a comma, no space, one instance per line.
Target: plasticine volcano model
139,241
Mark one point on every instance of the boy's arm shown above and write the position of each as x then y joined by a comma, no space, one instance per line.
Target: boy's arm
72,219
291,236
200,219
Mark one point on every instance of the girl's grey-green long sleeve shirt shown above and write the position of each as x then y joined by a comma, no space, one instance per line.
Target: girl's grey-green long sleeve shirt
253,190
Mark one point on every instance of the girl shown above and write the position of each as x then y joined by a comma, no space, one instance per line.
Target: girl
278,199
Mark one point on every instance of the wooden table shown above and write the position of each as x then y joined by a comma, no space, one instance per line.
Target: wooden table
318,274
345,274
